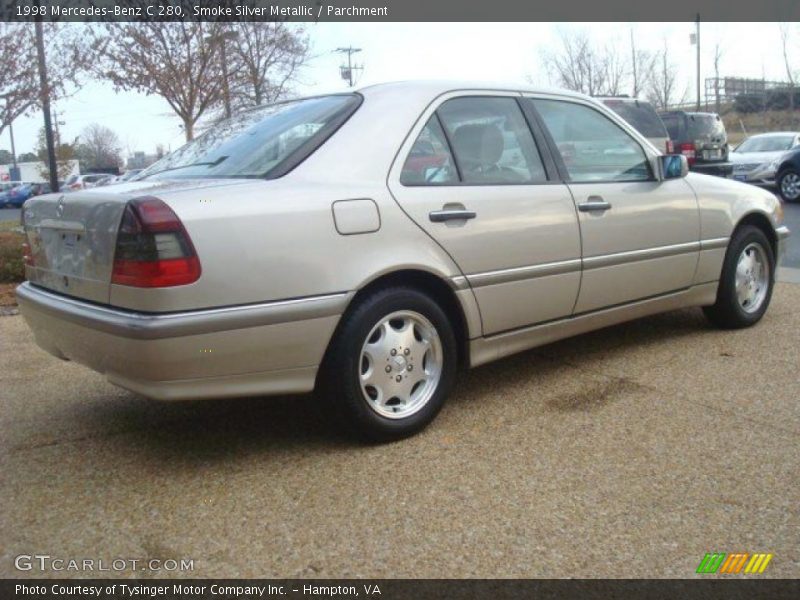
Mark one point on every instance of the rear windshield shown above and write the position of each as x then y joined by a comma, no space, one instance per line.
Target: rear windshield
260,143
641,115
705,126
772,143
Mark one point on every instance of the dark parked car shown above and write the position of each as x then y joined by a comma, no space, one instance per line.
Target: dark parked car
787,175
701,138
643,117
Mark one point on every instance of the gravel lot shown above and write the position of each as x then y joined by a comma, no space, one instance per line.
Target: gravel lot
627,452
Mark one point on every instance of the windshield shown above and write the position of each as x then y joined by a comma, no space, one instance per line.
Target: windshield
259,142
772,143
639,114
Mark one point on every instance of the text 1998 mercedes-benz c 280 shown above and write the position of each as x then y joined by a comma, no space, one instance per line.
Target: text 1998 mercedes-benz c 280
367,244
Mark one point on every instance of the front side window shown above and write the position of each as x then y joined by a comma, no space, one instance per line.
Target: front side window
429,162
259,142
491,141
592,147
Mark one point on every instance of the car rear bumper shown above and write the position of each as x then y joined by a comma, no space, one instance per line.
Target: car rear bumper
267,348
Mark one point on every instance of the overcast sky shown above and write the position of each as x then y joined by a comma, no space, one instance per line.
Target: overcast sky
396,51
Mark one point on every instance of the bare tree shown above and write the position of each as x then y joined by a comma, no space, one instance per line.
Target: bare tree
65,154
99,147
662,88
641,68
265,59
786,31
65,50
579,65
177,61
718,53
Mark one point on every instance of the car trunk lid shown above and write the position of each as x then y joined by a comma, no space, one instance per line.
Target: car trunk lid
72,237
71,240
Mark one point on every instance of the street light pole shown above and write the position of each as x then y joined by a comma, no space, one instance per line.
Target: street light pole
45,93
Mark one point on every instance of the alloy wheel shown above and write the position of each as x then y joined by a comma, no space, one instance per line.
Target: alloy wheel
401,364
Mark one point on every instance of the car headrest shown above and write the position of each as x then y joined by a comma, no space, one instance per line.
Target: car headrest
479,144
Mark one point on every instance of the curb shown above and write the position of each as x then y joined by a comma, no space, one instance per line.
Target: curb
788,275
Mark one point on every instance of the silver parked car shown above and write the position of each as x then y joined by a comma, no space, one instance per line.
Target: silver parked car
756,159
367,244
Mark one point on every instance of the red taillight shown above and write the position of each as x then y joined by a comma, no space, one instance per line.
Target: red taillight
153,247
688,151
670,147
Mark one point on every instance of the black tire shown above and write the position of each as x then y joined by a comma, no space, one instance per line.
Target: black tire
728,312
339,381
789,193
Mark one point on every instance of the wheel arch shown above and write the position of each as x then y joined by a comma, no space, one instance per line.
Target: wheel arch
433,284
762,222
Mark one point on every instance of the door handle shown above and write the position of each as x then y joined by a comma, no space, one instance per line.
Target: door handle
594,203
454,214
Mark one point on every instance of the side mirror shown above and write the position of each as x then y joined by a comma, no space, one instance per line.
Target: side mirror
673,166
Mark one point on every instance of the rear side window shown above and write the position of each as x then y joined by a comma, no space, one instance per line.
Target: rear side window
430,161
592,147
491,141
641,115
674,125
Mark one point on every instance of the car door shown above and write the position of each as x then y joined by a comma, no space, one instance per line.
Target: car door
640,236
471,175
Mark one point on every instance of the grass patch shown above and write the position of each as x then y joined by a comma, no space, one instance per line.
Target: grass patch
12,267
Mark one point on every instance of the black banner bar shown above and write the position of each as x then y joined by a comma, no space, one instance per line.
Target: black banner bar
398,589
398,10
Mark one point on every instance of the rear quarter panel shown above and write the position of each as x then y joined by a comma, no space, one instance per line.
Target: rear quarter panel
277,240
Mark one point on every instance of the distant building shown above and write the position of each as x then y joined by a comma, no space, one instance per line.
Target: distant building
140,160
32,171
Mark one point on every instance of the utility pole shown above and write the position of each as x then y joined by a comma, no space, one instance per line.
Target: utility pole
56,130
633,64
14,175
45,93
697,33
13,149
347,72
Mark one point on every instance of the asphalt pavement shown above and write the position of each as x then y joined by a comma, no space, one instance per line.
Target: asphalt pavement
628,452
10,214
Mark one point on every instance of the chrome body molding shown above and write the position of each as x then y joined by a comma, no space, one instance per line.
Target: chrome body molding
714,243
519,273
145,326
782,232
592,262
621,258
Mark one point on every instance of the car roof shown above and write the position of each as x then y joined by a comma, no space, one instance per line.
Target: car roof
436,87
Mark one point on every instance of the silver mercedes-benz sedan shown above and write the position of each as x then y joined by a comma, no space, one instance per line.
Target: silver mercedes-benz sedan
368,244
